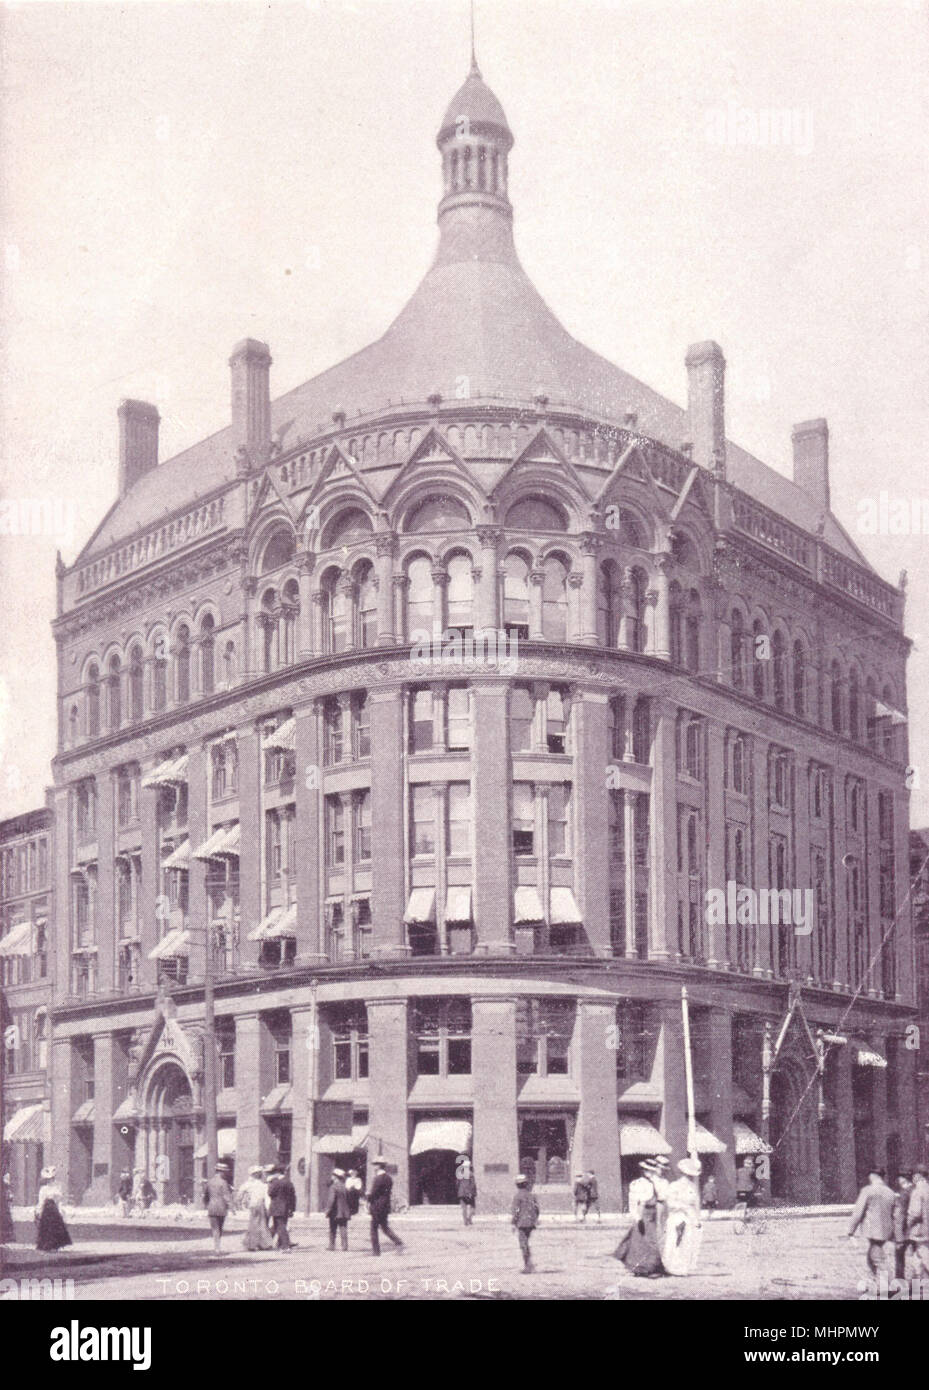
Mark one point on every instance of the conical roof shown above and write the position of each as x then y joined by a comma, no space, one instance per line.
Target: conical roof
476,103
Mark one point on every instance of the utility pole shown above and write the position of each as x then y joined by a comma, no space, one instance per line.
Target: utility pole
209,1055
689,1077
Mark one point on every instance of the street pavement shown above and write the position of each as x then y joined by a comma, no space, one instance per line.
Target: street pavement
805,1257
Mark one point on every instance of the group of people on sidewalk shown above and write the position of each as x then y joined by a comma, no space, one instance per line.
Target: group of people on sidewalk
667,1226
895,1222
135,1190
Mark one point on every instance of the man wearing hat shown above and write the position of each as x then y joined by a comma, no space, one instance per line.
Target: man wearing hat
379,1206
218,1203
874,1214
282,1203
581,1197
466,1187
124,1192
525,1218
917,1220
337,1209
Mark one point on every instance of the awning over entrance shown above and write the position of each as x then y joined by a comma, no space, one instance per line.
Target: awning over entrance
336,1143
458,905
747,1141
171,773
180,859
453,1135
527,905
867,1056
225,1143
283,738
564,910
638,1137
421,906
707,1143
176,943
18,941
31,1123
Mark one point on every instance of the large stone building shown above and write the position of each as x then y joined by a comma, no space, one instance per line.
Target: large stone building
26,917
451,895
919,878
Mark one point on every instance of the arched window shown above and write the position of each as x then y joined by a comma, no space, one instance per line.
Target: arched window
637,590
779,669
835,697
278,551
207,655
535,514
760,655
349,526
460,593
115,692
854,714
160,674
738,763
554,600
609,603
182,658
290,611
438,514
737,650
642,730
799,679
516,594
268,622
93,702
419,603
367,606
136,685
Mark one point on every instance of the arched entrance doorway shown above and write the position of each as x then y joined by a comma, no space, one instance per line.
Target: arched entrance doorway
171,1133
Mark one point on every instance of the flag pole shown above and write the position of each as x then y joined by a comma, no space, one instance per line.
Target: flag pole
689,1077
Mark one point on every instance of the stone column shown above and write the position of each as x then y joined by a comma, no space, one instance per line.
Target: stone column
596,1139
198,829
496,1138
389,1136
106,929
63,1106
401,584
720,1088
590,545
309,808
575,581
668,1073
719,610
305,646
439,586
388,804
347,589
845,1124
386,545
149,925
663,812
103,1185
591,851
253,1081
536,581
661,644
251,874
628,614
318,599
764,947
487,618
303,1044
491,776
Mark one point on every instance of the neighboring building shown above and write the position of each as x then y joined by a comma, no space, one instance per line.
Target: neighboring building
919,877
26,917
450,903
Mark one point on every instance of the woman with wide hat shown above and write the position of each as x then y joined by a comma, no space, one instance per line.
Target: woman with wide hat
52,1233
685,1228
640,1247
255,1193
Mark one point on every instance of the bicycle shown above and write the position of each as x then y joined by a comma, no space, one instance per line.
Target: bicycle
747,1219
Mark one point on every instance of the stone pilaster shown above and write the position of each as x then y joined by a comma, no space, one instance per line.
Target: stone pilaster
490,770
596,1139
496,1138
591,853
389,1085
387,818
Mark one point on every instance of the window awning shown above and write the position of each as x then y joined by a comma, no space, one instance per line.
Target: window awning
230,845
451,1135
284,925
260,932
84,1114
564,909
279,1101
126,1110
747,1141
210,847
225,1143
31,1123
421,906
170,773
18,941
458,905
707,1143
882,711
283,738
527,905
176,943
867,1056
335,1144
639,1137
180,859
360,1136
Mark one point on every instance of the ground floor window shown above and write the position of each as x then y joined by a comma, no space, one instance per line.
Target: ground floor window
545,1147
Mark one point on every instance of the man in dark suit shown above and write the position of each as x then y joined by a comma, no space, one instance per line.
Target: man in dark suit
379,1206
282,1199
873,1213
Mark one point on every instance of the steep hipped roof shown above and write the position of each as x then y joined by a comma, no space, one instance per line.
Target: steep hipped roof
475,314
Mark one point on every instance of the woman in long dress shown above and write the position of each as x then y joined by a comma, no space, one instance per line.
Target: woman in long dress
640,1247
685,1228
52,1233
255,1193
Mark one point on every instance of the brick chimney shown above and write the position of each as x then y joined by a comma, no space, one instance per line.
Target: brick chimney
811,460
706,403
138,441
251,398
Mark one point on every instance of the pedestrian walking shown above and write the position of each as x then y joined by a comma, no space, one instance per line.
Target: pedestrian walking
379,1207
51,1232
593,1193
581,1197
147,1190
873,1213
745,1183
218,1203
282,1203
684,1228
124,1192
354,1189
466,1186
337,1209
525,1218
917,1220
710,1196
640,1248
255,1193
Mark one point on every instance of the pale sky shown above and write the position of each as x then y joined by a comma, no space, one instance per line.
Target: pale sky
176,177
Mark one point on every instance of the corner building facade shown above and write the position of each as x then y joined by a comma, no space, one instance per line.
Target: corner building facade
450,893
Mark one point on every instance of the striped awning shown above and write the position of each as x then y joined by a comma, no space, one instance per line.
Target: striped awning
18,941
639,1137
747,1141
170,773
868,1056
527,905
707,1143
176,943
84,1114
180,858
453,1136
284,738
421,906
29,1124
564,910
280,922
126,1110
260,932
222,843
458,905
335,1144
279,1101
